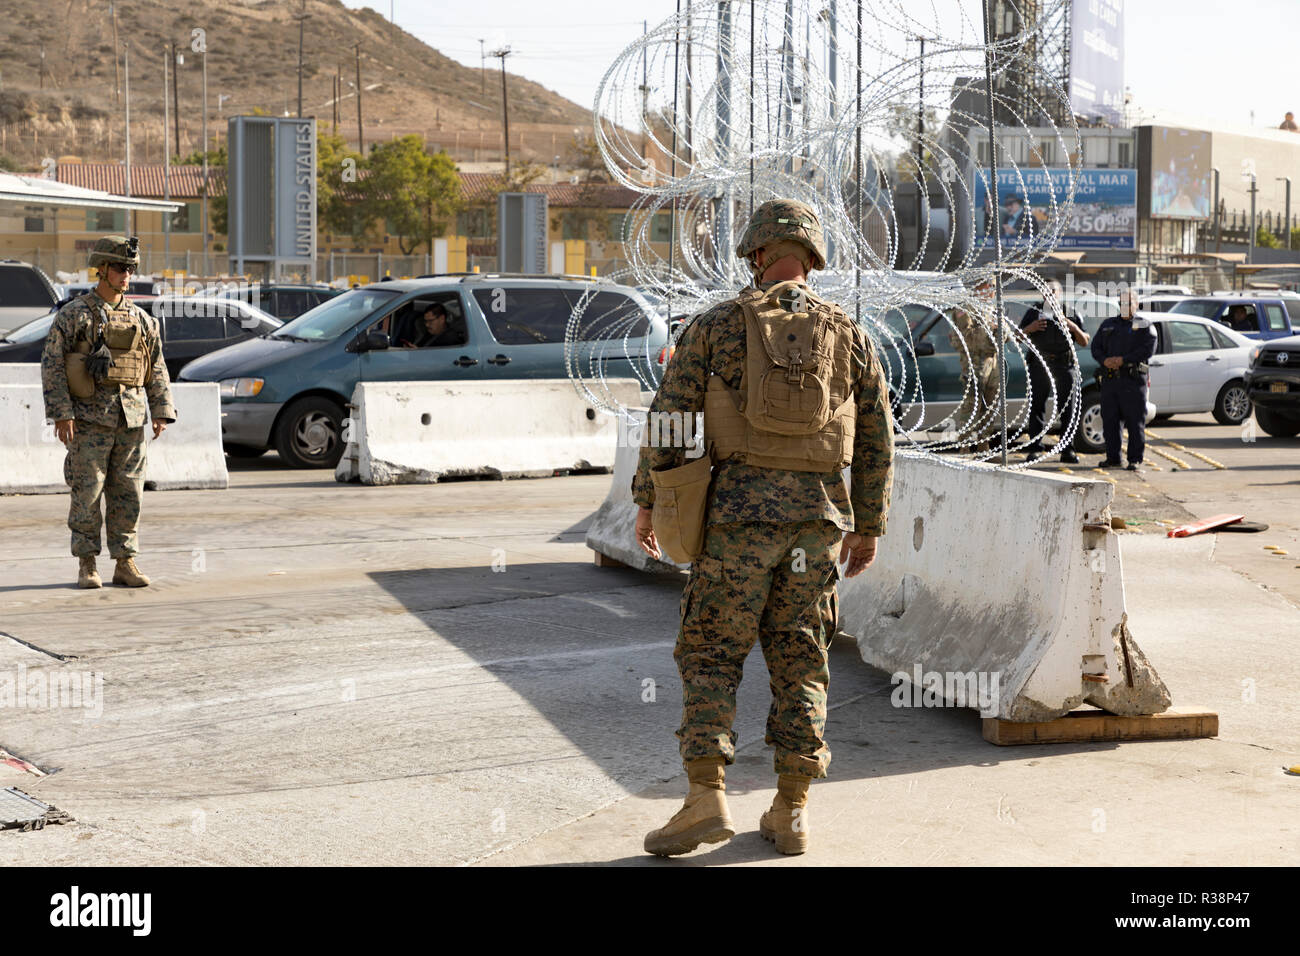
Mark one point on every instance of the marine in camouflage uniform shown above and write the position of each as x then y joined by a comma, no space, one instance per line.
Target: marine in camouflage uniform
768,571
977,417
105,433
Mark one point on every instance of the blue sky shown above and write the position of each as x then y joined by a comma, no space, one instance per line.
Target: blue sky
1184,59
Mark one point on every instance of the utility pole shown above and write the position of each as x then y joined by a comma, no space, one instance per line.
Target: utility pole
117,75
482,69
302,17
1218,223
1286,223
204,207
361,139
176,95
1254,188
42,66
126,73
338,92
645,91
505,104
167,171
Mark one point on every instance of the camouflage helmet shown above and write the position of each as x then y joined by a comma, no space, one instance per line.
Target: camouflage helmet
117,249
784,219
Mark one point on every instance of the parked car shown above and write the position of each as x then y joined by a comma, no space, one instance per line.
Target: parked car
190,326
1266,317
1199,366
1273,384
285,302
26,293
288,390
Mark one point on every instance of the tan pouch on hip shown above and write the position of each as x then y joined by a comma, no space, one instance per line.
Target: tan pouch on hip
80,384
681,505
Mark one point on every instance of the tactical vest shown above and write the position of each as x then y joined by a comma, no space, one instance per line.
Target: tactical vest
127,344
795,408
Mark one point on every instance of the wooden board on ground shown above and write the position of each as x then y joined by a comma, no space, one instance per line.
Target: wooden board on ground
605,561
1087,726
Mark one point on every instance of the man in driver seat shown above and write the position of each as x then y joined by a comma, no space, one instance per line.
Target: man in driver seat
436,330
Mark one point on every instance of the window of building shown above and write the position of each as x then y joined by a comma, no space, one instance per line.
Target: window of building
617,222
187,218
34,219
1125,154
477,223
661,230
106,220
573,226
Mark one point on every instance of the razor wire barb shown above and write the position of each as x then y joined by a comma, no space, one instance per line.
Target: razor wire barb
921,120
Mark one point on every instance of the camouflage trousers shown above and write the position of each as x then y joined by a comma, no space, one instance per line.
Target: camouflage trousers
776,583
977,417
105,463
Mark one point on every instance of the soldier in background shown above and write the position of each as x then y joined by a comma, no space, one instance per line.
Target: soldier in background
1055,365
976,418
101,369
778,511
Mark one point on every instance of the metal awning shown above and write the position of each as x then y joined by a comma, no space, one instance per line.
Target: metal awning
50,192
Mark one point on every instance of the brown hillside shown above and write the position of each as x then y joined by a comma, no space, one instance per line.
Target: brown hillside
252,64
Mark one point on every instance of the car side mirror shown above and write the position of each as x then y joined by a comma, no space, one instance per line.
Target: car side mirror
923,348
375,341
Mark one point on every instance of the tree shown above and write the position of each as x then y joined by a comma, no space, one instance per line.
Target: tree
219,219
585,157
338,175
414,192
1265,239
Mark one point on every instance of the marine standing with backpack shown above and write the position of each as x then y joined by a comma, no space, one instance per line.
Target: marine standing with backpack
792,393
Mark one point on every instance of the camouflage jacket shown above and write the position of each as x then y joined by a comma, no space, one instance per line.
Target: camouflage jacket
978,338
714,342
110,403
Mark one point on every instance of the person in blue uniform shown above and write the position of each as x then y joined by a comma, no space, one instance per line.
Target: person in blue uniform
1123,346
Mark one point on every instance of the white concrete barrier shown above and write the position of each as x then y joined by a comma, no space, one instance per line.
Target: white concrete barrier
416,432
1010,582
612,531
20,373
188,455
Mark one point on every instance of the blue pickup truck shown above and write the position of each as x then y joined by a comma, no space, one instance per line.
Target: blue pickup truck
1254,316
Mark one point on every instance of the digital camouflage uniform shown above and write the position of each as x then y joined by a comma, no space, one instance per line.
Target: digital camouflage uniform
106,457
973,417
768,571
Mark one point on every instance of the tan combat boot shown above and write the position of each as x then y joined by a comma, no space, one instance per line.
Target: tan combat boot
786,822
128,574
87,576
703,818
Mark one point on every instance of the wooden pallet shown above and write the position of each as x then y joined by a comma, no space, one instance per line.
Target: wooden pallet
1086,726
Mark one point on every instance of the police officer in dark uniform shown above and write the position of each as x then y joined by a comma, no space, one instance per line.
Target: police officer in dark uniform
1124,345
1055,359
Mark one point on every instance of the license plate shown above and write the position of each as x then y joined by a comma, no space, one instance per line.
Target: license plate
1277,386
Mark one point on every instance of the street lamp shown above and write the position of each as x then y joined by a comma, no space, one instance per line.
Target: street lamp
1287,226
221,98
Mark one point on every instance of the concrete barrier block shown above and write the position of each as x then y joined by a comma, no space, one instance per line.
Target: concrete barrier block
1009,577
20,373
416,432
188,455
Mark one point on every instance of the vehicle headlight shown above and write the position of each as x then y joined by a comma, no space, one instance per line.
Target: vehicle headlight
240,387
1254,354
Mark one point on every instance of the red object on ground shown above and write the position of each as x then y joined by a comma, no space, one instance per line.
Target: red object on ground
1205,524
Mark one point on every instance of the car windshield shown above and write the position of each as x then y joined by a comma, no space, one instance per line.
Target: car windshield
1205,308
33,330
21,287
335,316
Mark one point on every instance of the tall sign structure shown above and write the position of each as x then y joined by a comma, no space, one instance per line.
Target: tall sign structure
272,194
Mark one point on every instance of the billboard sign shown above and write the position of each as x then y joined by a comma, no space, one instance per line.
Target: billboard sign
1177,172
1104,214
1097,60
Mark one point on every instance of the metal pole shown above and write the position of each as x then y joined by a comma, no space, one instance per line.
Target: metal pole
482,72
1218,222
857,179
751,108
1286,222
167,172
117,76
997,204
672,175
361,140
920,160
1254,188
176,97
126,74
505,105
204,208
302,22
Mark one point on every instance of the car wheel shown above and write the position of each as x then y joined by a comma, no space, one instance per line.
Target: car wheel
1089,438
244,451
1277,424
309,434
1232,407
